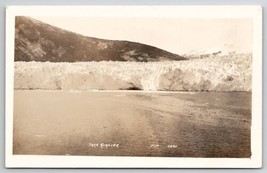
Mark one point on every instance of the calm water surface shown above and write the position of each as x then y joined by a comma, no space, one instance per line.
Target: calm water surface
174,124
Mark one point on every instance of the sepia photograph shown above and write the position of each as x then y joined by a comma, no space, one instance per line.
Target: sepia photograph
132,86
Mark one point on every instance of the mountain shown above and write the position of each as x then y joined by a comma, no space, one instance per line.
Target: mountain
224,50
38,41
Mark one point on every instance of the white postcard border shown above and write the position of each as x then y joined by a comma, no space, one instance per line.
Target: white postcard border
23,161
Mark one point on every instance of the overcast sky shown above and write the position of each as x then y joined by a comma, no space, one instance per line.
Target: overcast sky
177,35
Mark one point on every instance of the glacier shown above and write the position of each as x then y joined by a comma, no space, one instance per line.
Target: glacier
231,72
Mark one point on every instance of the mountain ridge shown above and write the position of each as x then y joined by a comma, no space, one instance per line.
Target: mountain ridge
38,41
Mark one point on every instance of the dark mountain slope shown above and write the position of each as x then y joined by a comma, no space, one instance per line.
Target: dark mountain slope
38,41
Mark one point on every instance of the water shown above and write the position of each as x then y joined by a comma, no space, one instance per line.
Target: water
168,124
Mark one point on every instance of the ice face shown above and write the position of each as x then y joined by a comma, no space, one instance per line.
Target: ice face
223,73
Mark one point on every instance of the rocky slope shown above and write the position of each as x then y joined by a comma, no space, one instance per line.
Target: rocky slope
38,41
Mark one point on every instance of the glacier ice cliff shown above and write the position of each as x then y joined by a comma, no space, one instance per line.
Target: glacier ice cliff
222,73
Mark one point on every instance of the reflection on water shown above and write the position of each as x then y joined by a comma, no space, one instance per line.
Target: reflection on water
173,124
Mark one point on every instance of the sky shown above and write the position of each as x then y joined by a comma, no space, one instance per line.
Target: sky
176,35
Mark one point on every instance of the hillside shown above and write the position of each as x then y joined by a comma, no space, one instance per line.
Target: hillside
38,41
